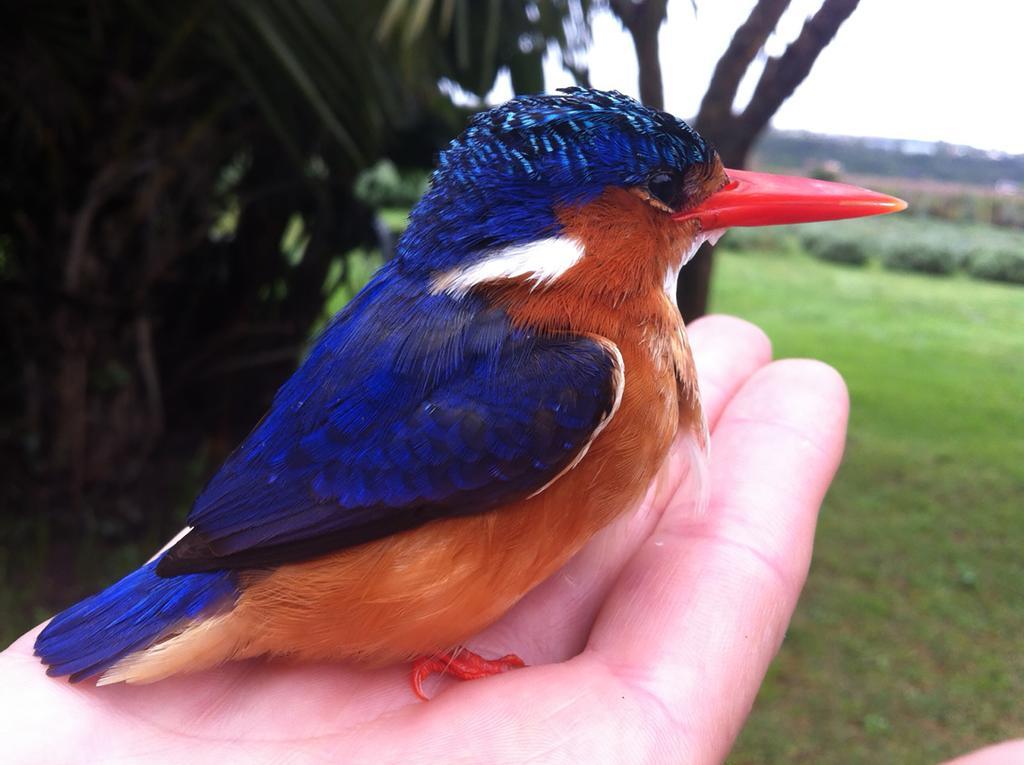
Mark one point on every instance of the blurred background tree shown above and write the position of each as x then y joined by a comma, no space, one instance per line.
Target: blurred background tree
178,186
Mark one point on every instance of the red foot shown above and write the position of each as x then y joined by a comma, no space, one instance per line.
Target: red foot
460,663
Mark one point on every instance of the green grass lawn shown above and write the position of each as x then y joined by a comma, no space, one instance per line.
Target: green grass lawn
908,643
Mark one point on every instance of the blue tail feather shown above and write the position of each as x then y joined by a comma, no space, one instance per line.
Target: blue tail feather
94,634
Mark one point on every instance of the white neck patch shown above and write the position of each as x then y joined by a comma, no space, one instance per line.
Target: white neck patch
541,262
672,272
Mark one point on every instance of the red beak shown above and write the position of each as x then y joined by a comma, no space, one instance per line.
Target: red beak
763,199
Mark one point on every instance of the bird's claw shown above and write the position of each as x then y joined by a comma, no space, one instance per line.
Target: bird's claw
459,663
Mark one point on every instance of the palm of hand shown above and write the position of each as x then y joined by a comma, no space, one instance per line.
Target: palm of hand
650,645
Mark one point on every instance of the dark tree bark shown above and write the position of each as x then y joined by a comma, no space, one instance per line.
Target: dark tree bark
735,133
643,19
715,116
125,325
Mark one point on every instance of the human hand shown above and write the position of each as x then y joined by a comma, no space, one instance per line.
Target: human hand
650,645
1005,753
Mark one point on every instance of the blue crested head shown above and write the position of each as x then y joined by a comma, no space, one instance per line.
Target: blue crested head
503,180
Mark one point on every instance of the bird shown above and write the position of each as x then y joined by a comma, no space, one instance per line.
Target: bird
506,386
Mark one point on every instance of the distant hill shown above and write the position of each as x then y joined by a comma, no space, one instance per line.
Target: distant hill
891,157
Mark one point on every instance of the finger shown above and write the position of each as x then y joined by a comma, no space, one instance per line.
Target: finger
702,607
727,351
1006,753
552,622
24,644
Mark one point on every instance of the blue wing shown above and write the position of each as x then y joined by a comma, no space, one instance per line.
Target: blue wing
411,407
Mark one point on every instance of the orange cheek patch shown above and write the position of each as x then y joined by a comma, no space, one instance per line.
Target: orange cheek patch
629,243
629,246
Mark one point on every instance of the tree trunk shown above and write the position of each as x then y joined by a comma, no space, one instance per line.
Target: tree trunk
643,20
734,134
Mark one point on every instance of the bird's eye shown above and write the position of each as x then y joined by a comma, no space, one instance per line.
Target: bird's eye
664,186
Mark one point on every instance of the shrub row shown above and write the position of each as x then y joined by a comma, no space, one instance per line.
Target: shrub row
997,266
1002,265
900,242
851,252
761,239
926,258
929,255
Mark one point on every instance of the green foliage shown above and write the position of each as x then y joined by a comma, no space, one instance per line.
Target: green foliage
911,612
997,265
959,204
179,177
760,239
927,258
905,243
812,239
383,185
825,172
349,273
837,249
395,218
468,42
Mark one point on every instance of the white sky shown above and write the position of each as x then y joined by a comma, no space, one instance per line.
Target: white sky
935,71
